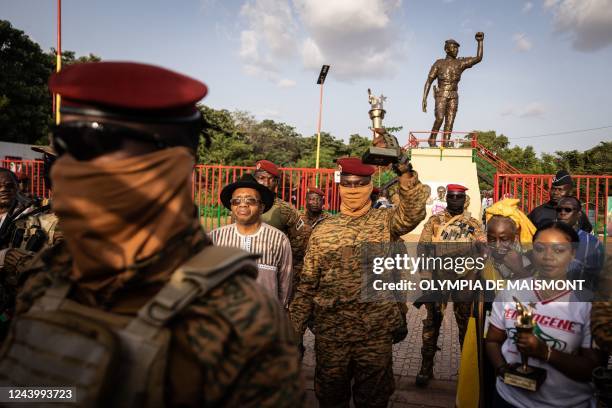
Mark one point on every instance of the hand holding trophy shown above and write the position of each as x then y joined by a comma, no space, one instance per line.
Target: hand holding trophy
386,149
522,375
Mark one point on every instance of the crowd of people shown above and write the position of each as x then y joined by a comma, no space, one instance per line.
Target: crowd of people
118,272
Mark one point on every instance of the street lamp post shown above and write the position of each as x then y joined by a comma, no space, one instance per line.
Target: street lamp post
320,81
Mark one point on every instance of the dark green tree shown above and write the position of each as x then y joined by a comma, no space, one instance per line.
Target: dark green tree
228,145
25,102
358,145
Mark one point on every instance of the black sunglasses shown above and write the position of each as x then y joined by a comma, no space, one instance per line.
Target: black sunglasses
565,209
86,140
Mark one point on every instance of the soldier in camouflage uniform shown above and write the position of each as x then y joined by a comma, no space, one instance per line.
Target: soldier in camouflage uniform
282,215
128,137
300,233
28,228
462,230
353,338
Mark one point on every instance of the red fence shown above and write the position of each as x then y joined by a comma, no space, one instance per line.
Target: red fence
532,191
30,174
208,181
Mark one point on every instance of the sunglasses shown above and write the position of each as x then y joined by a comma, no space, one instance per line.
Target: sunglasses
250,201
565,209
85,140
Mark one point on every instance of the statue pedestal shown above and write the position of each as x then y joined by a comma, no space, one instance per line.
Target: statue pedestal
439,167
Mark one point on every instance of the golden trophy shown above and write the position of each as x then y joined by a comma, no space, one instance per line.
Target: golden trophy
381,156
522,375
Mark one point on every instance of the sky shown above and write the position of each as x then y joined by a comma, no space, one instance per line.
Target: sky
546,66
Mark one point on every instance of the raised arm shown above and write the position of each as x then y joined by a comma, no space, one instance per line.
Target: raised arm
471,61
411,208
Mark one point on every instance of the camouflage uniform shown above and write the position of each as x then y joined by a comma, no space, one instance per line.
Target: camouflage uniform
353,338
299,234
435,311
282,216
30,235
231,348
601,315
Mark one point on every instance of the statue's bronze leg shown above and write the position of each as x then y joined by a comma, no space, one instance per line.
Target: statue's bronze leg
449,120
439,112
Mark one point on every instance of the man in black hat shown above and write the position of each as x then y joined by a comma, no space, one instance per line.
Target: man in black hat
248,200
562,186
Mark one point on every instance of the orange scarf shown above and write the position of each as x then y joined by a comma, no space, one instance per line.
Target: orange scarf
355,201
117,214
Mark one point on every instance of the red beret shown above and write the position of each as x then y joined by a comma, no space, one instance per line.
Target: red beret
127,87
315,190
456,187
354,166
268,166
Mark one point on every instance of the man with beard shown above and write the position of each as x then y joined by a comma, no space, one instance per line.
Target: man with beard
353,338
447,234
562,186
136,263
282,215
300,233
247,200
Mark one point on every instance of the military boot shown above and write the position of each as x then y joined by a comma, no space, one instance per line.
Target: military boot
426,372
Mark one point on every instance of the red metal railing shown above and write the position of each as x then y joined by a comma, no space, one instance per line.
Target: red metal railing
209,180
532,191
207,183
30,174
415,142
468,139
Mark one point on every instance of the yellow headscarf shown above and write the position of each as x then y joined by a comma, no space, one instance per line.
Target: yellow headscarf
508,207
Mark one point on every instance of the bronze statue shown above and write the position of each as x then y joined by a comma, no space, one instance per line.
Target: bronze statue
448,73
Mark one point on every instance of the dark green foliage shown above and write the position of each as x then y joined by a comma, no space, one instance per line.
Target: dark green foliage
25,102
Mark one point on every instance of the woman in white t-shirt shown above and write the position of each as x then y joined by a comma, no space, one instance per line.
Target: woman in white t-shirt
561,340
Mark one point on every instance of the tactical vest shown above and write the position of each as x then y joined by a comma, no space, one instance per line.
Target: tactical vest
111,360
34,232
460,228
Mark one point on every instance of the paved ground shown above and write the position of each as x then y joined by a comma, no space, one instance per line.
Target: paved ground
406,363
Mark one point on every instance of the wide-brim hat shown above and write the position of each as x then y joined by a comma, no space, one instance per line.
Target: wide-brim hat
247,181
48,150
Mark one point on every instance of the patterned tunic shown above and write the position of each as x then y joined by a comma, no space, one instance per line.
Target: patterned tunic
330,284
275,264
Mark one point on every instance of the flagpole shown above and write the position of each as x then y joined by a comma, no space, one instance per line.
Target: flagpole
58,59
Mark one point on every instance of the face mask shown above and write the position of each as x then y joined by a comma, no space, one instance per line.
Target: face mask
117,214
355,201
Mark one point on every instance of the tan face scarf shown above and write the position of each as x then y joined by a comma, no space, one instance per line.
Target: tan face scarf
355,201
119,213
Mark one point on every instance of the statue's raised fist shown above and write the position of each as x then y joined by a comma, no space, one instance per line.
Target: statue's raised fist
479,36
